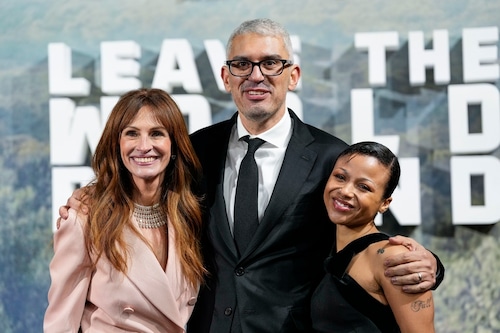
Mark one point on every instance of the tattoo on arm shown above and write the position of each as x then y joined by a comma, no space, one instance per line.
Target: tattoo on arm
420,305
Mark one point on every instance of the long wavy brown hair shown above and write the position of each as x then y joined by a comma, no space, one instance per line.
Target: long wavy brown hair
110,195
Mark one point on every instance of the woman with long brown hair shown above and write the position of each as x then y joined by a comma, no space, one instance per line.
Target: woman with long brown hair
133,263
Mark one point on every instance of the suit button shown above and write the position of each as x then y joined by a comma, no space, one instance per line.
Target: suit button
239,271
228,311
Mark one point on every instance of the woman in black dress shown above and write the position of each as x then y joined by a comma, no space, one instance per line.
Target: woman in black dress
354,295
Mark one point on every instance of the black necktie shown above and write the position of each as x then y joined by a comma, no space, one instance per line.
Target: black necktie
246,215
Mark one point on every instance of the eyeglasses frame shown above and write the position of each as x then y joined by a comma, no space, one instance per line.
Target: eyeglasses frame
286,64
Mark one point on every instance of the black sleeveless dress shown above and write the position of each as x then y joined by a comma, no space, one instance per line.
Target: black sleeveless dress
340,305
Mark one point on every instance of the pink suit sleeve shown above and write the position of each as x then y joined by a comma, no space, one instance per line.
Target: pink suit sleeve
70,272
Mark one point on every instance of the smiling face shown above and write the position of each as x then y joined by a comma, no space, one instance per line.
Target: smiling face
354,192
261,100
145,148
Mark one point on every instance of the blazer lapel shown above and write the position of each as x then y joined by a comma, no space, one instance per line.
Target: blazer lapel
219,213
295,169
148,276
218,210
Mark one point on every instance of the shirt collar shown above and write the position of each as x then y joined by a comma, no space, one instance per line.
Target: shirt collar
278,135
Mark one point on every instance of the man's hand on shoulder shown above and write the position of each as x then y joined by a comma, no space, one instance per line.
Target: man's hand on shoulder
415,271
77,202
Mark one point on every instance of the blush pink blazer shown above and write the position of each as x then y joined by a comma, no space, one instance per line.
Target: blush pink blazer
147,299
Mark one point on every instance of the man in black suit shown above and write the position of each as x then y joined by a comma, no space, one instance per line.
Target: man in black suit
266,287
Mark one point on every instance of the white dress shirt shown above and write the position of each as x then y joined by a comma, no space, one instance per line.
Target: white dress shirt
268,157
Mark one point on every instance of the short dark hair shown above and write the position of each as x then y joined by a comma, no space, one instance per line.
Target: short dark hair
384,155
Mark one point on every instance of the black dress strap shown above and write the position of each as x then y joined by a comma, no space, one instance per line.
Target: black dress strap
337,263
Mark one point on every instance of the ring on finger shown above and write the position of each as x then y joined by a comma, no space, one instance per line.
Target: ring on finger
419,276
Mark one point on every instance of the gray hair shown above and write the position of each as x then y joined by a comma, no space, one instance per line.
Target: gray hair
264,27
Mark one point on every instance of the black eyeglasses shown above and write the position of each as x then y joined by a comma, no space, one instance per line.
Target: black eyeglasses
268,67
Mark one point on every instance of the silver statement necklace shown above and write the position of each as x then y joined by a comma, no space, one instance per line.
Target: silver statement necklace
149,217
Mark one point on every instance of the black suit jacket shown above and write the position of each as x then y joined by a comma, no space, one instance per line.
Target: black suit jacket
268,288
